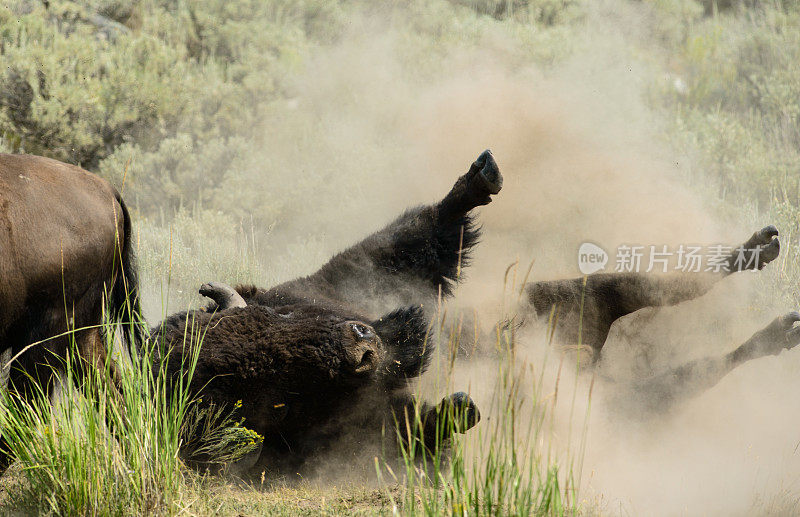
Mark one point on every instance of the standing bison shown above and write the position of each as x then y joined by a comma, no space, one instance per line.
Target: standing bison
65,249
310,361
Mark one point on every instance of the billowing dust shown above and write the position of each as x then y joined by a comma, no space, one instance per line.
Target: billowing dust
583,161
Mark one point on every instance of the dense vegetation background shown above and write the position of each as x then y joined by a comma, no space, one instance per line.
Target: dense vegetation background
194,103
205,111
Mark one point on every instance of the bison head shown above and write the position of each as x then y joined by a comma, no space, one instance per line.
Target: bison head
389,350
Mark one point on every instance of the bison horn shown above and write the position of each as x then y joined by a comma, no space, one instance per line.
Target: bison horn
224,295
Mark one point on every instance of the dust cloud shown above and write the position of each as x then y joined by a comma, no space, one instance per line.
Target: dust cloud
583,160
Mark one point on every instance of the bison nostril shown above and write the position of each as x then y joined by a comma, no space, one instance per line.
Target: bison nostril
366,363
361,347
367,360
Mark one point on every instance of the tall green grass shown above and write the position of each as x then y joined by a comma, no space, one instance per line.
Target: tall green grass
109,442
510,463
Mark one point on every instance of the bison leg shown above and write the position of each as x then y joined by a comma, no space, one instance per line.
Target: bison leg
594,304
223,295
660,391
409,260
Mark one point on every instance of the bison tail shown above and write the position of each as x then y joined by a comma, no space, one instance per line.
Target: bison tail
124,306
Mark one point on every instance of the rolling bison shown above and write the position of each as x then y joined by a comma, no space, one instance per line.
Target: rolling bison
599,300
606,297
65,257
310,361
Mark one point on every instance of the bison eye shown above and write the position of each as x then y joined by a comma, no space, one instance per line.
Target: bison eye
362,331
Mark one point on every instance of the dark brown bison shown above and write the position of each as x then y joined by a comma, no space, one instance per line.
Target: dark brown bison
313,364
65,249
584,310
311,359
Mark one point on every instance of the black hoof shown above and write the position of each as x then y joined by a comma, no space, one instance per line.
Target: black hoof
769,253
762,237
767,233
760,249
489,172
465,413
780,334
473,189
791,333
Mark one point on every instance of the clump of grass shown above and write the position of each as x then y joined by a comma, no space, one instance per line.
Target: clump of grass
107,447
110,440
509,466
215,437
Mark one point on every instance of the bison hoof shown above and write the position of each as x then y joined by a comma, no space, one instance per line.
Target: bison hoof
767,233
791,335
489,172
464,411
760,249
780,334
769,253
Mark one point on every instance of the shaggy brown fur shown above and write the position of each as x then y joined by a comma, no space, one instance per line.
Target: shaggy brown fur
297,381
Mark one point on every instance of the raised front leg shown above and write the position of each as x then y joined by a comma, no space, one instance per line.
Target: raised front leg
585,308
660,391
408,261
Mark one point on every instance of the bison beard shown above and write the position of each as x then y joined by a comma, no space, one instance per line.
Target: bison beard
305,357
